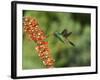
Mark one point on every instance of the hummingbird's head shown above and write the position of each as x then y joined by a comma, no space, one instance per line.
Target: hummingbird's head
56,33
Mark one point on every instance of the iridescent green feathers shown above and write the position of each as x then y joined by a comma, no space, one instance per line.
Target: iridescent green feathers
63,36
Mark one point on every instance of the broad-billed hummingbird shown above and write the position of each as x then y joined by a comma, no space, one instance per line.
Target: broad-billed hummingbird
63,36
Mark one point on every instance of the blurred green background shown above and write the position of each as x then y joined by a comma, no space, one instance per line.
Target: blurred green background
64,55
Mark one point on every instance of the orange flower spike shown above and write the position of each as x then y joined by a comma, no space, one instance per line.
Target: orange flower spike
34,22
44,53
32,28
29,22
49,62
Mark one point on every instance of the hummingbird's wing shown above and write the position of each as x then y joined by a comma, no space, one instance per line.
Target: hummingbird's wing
68,34
65,33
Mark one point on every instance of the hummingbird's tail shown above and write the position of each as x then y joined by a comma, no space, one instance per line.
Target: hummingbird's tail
71,43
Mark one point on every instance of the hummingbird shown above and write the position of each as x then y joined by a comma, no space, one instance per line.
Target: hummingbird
63,36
